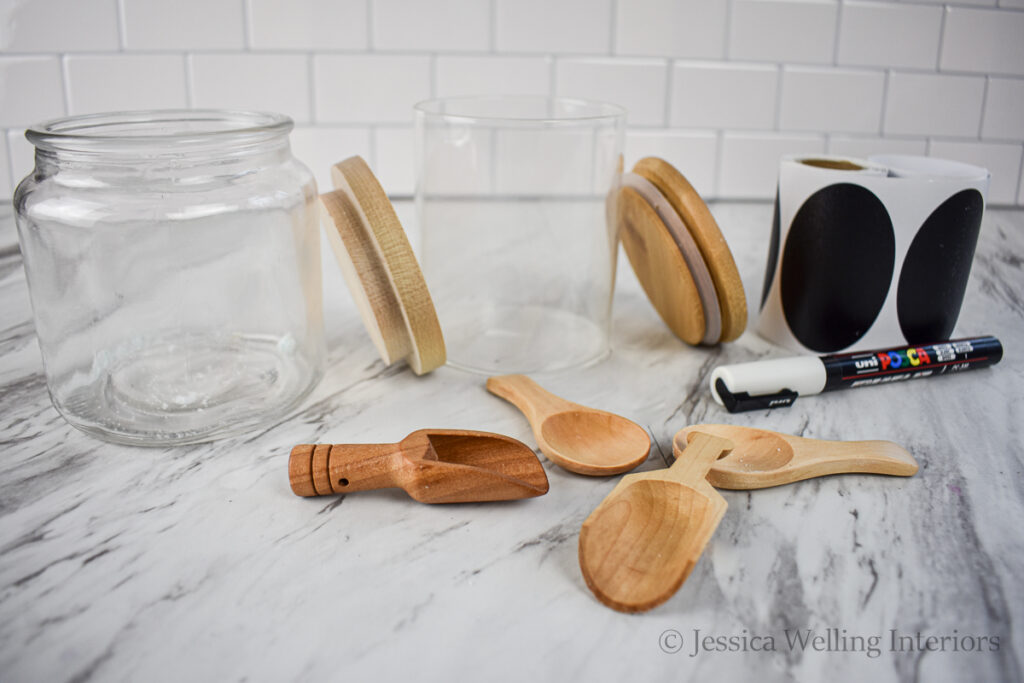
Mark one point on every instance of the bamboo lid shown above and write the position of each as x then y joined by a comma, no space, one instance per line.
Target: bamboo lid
679,255
380,268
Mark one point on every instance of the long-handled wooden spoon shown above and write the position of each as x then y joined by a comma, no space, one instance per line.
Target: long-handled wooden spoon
762,458
580,439
432,466
639,545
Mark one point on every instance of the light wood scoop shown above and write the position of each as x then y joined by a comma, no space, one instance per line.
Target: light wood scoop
645,537
432,466
580,439
762,458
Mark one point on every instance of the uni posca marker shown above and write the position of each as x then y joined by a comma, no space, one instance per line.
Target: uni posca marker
777,383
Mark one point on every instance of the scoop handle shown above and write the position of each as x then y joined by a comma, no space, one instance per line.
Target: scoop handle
325,469
533,400
815,459
695,454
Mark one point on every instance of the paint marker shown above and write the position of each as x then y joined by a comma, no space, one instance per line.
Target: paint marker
777,383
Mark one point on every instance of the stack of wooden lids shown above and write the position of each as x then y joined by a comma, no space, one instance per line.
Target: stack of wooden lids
679,255
380,268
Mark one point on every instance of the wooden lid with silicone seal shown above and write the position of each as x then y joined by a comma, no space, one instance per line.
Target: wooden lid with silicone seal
380,268
679,255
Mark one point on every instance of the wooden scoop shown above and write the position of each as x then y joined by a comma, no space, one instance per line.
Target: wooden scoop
645,537
432,466
762,458
580,439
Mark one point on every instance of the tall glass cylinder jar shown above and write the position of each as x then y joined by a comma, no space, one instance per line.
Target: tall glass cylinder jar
513,196
173,264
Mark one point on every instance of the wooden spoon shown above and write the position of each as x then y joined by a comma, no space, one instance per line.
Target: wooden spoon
763,458
639,545
432,466
580,439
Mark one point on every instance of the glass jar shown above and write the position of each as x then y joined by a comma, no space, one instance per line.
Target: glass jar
173,262
514,197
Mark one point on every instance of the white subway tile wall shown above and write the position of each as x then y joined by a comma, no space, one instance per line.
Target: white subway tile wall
718,95
320,147
23,156
1002,160
1004,109
431,25
393,167
459,76
307,25
640,82
749,162
6,186
886,35
797,31
262,82
721,88
98,83
183,25
30,90
835,100
671,28
851,146
694,153
934,104
62,26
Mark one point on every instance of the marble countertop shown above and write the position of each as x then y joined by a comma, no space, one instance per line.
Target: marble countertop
198,563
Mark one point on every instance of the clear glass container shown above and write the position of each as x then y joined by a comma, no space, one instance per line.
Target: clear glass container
513,197
173,261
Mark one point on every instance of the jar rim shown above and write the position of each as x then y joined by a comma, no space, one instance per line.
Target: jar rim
163,127
555,111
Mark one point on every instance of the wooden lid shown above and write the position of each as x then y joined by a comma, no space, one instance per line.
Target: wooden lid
380,268
732,300
690,253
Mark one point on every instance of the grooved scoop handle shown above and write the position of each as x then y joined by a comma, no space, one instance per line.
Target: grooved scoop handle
326,469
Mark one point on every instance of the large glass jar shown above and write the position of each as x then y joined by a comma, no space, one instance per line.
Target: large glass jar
173,264
514,196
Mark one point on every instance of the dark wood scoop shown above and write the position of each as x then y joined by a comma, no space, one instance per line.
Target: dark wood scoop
431,465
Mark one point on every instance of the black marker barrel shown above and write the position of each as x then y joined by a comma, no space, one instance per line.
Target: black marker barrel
868,368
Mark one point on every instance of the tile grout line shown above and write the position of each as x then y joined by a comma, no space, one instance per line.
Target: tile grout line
122,27
836,34
187,66
369,26
726,38
667,110
10,161
984,106
552,76
1020,175
719,148
492,27
780,72
942,39
65,77
885,102
311,77
612,24
246,26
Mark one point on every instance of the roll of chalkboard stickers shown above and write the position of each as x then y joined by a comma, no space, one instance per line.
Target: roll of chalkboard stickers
869,253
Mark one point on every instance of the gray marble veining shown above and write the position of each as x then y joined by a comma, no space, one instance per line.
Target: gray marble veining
198,563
